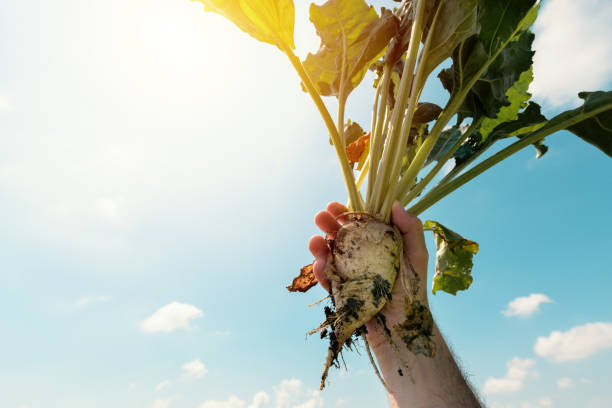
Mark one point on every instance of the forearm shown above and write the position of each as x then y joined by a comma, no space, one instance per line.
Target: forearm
419,381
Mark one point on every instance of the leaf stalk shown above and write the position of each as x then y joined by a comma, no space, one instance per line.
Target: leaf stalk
392,143
355,201
410,195
377,137
442,191
407,120
449,111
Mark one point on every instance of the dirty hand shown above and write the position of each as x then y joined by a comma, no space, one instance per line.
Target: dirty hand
415,257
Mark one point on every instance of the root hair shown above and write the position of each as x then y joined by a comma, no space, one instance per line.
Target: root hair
380,377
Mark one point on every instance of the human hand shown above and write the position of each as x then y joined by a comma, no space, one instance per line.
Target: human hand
415,257
411,380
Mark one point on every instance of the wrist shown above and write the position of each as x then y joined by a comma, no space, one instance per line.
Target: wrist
396,319
416,380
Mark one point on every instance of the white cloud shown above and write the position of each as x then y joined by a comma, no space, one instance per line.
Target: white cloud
573,51
544,402
518,371
260,400
564,383
161,403
87,300
575,344
286,391
314,401
195,369
526,305
290,391
162,385
171,317
232,402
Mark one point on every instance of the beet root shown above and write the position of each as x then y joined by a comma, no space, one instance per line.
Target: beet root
366,257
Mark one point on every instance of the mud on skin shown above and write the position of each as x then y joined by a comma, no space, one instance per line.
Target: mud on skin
417,330
365,259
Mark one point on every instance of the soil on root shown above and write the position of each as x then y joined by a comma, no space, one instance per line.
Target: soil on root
365,257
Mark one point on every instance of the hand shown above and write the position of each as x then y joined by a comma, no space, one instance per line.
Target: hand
415,255
412,380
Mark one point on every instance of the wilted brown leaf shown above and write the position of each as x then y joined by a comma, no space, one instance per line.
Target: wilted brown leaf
352,132
426,112
355,150
304,281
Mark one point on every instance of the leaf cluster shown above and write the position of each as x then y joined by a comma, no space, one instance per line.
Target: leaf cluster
409,140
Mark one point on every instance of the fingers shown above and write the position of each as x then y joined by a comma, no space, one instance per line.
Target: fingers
317,268
327,223
318,246
335,209
414,239
329,220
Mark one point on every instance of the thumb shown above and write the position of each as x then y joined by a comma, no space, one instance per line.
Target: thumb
413,236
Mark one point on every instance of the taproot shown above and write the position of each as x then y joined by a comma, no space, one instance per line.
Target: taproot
365,259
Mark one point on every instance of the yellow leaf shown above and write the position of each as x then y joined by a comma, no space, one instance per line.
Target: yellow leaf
275,18
353,36
270,21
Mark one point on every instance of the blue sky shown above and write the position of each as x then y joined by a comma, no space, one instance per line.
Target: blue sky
159,173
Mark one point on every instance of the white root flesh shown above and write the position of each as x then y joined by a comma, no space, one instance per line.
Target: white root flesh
366,257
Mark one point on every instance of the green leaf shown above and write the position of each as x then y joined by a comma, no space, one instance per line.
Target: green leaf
527,121
486,65
446,140
517,95
592,122
501,19
270,21
596,130
489,93
453,259
353,36
457,21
